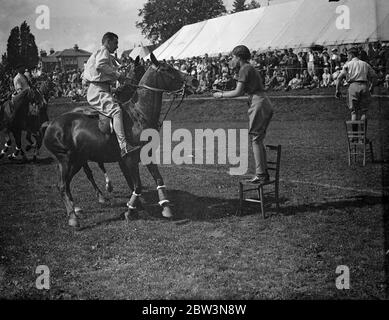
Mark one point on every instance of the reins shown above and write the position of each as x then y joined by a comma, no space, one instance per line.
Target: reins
175,93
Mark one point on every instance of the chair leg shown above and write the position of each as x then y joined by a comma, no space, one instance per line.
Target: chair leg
240,209
276,192
371,151
364,154
262,201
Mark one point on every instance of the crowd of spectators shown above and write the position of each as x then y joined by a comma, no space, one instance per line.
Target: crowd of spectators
286,70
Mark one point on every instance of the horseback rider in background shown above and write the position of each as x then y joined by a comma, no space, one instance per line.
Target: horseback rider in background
101,72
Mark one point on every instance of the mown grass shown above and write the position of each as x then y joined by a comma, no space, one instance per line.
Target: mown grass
331,214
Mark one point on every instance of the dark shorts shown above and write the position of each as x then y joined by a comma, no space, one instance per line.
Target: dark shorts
359,97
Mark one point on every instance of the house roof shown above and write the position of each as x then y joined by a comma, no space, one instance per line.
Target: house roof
74,53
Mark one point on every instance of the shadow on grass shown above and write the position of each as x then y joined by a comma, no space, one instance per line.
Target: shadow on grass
188,207
19,162
347,203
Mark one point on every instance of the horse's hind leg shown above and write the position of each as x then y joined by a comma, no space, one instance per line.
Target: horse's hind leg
161,188
19,149
108,183
90,177
7,145
67,170
31,144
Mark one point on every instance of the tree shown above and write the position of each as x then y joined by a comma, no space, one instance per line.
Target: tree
238,6
13,48
163,18
253,5
21,48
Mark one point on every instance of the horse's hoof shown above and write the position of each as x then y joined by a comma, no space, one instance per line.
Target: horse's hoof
77,211
167,212
109,187
73,222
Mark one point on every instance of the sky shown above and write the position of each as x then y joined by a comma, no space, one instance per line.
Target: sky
81,22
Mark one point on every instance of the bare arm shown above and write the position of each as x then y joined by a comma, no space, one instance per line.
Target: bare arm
238,91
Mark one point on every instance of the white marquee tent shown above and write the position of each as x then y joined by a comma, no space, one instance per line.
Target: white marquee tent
294,24
140,51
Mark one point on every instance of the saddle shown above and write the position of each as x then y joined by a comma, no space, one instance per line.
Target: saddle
130,116
105,123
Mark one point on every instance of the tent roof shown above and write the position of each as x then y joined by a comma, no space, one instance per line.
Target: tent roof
294,24
140,51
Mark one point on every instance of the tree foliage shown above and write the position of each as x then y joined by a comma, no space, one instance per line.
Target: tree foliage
163,18
239,5
21,48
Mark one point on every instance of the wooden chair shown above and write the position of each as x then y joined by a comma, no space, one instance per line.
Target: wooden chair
357,140
274,154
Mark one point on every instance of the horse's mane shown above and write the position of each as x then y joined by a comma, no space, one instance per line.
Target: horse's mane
136,114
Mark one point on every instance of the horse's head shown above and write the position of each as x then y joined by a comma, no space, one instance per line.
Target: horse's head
134,72
164,77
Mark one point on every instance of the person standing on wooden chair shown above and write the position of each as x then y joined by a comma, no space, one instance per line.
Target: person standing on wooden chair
260,108
358,74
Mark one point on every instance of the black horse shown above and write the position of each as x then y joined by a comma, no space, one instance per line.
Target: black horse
74,138
25,112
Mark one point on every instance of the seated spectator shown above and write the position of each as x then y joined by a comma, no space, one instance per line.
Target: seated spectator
335,75
315,82
202,86
281,80
326,78
217,82
295,83
306,79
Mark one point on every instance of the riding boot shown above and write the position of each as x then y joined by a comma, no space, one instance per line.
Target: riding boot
118,127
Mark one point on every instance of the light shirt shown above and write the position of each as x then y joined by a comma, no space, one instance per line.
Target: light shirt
358,70
101,67
20,83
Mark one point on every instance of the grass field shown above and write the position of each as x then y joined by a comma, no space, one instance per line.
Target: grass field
331,214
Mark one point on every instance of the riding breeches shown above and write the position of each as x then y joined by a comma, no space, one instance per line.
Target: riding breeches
100,98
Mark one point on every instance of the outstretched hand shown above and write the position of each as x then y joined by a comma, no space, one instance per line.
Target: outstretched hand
218,95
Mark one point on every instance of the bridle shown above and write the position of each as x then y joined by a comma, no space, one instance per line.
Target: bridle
174,93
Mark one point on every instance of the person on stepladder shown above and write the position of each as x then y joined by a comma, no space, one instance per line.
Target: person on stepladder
260,108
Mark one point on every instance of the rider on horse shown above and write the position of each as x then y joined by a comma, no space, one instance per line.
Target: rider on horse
101,71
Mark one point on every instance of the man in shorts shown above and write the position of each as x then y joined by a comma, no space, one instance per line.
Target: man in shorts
361,78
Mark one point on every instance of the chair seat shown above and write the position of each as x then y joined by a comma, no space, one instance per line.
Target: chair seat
247,182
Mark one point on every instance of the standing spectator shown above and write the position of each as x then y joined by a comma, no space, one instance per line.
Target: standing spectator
311,62
335,59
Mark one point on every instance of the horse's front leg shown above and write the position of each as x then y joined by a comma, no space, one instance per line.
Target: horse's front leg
130,169
161,188
7,145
